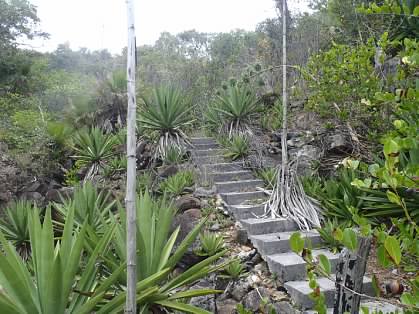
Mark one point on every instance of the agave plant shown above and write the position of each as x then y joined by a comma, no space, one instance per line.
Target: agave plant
53,283
238,147
14,226
234,270
177,184
88,205
211,243
237,106
167,114
93,149
156,258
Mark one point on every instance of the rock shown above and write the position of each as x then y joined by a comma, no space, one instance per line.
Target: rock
227,306
257,259
253,299
168,171
240,289
205,302
32,196
240,236
247,256
261,268
53,196
338,143
33,186
187,221
285,307
215,227
187,202
205,192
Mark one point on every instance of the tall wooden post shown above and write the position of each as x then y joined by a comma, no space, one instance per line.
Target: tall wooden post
131,304
284,164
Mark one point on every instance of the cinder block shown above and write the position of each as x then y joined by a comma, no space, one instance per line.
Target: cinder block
258,226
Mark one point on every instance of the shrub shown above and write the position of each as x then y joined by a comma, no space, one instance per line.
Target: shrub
234,108
238,147
167,114
93,149
176,184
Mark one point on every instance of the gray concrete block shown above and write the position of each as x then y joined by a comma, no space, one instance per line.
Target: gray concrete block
239,186
300,291
257,226
274,243
227,176
202,160
208,152
202,140
221,166
290,266
246,211
210,145
239,198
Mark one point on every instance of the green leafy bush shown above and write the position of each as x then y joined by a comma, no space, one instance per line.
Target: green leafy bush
167,114
234,270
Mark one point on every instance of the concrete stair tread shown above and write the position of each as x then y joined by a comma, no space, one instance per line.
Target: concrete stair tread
205,146
244,181
232,176
241,212
240,198
258,226
283,235
291,258
300,291
239,186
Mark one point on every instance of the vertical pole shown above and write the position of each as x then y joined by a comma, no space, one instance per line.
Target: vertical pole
131,304
284,163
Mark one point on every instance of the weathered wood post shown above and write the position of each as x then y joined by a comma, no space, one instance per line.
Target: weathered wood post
131,304
350,273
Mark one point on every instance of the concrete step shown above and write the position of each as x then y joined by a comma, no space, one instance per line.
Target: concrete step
372,306
246,211
202,140
244,198
208,152
232,176
239,186
222,166
273,243
291,266
258,226
204,160
213,145
300,291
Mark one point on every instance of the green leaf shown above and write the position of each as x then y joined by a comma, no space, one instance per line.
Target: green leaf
391,147
376,286
392,246
337,234
382,257
394,198
324,263
296,242
416,11
350,239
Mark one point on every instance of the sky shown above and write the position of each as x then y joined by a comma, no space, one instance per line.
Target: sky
101,24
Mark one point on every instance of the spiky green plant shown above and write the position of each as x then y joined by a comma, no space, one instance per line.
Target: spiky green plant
14,225
88,205
237,106
156,258
269,176
92,149
176,185
174,156
211,243
167,114
234,270
49,283
238,147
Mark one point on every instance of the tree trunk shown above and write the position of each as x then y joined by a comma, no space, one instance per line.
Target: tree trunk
350,273
131,305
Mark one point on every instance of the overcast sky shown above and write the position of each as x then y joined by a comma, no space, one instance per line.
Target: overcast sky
101,24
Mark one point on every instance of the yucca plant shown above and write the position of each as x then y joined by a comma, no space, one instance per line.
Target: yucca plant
211,243
234,270
177,184
49,283
269,176
88,205
93,149
237,106
167,114
156,258
238,147
14,225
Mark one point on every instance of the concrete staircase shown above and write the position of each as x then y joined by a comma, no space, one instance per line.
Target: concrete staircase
238,189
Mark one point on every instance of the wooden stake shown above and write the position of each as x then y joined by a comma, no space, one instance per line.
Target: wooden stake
350,273
131,304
